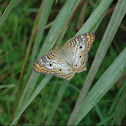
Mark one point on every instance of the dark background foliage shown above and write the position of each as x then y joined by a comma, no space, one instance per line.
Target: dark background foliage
17,28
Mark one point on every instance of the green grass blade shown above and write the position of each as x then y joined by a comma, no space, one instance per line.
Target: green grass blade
44,6
120,109
29,48
105,120
46,110
112,108
57,101
95,17
116,19
92,22
39,115
99,113
53,110
58,25
115,71
35,93
8,11
41,22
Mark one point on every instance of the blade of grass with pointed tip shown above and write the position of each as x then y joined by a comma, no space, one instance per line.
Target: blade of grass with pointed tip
116,19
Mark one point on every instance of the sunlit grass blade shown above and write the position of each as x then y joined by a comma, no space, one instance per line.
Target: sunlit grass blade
51,38
115,71
6,86
90,26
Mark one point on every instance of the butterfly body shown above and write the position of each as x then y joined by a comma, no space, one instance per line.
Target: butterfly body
67,60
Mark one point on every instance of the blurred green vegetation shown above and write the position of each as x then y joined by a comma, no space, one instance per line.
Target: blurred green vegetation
54,104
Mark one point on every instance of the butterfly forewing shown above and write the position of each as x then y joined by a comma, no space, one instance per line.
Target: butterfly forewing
81,43
79,47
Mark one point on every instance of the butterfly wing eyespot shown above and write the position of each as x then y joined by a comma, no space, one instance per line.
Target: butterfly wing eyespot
50,64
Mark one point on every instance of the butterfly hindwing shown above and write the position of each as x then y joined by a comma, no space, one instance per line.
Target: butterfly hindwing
79,47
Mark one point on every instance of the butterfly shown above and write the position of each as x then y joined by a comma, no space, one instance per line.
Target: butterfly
65,61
